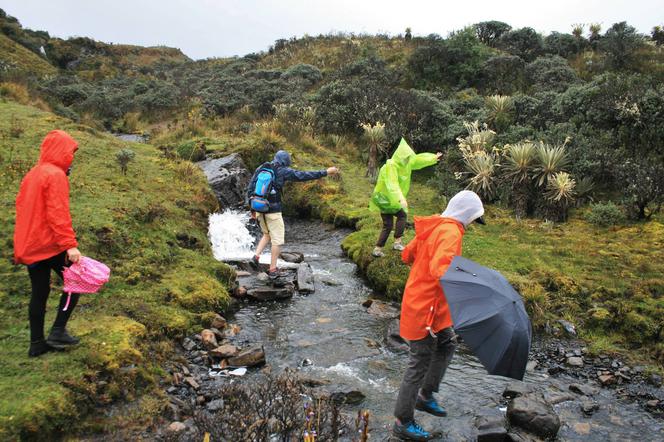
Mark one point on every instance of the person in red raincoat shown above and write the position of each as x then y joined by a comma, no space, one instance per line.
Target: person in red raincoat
44,239
425,316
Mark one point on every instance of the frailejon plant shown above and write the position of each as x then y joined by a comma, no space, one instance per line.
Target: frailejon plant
375,137
481,159
560,195
518,169
500,110
124,157
551,160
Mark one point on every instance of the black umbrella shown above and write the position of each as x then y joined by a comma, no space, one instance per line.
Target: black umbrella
489,315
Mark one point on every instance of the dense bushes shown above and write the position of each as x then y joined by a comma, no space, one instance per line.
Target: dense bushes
605,214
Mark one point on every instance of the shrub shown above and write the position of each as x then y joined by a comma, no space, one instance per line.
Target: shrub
550,74
643,187
488,32
503,74
605,214
124,157
524,42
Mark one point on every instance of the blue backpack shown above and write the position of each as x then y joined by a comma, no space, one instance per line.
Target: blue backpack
264,184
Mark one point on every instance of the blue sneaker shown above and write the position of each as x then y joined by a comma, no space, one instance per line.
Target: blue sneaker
411,431
430,406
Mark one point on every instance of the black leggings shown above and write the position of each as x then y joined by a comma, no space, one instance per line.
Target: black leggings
388,221
40,277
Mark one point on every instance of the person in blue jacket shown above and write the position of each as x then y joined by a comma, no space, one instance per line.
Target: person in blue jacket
272,222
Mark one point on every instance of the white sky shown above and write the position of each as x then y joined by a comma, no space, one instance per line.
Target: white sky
219,28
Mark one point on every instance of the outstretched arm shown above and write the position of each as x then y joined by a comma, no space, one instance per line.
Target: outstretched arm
425,159
303,175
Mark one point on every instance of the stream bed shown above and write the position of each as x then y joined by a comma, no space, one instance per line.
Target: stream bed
329,335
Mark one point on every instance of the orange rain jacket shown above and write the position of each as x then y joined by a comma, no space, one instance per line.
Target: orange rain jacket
424,307
43,222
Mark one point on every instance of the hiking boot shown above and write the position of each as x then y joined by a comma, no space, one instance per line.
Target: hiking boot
430,406
411,431
39,348
377,252
255,261
59,338
398,246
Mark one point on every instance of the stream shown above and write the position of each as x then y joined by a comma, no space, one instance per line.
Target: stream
329,335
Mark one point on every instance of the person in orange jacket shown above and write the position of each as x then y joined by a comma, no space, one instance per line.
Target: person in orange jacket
44,238
425,317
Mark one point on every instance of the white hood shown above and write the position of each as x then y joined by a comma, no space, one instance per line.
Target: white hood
465,207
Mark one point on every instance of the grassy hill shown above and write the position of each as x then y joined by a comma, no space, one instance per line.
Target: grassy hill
18,61
150,228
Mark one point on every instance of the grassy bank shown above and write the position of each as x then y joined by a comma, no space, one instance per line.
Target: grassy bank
607,281
150,228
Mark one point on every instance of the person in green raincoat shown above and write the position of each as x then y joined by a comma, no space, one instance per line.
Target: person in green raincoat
389,195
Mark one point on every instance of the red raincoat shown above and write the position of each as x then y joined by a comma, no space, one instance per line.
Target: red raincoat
43,222
437,241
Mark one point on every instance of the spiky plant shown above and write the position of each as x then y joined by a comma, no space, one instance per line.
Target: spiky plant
500,108
560,195
577,30
375,137
479,138
519,164
482,167
583,189
595,29
550,161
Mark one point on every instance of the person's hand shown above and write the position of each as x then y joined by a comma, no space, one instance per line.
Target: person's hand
73,255
438,156
404,204
332,171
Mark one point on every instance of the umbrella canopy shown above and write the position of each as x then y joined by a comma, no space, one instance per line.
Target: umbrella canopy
489,315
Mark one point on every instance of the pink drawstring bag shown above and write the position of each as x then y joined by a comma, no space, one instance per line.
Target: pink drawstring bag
84,276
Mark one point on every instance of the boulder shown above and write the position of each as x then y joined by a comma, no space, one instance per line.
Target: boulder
352,397
294,257
584,389
270,293
305,279
224,351
208,339
218,322
393,339
575,361
490,424
382,309
516,389
249,357
589,406
228,178
516,435
533,414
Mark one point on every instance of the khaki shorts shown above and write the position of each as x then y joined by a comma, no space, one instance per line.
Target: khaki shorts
273,224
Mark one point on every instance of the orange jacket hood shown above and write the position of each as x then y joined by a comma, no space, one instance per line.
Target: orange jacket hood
58,149
425,225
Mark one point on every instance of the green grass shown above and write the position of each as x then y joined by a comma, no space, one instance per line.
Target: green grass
608,281
23,61
150,228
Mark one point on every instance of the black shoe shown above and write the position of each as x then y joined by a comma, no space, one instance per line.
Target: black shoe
59,338
255,262
39,348
430,406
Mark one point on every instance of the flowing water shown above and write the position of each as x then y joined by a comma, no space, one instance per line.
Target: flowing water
346,345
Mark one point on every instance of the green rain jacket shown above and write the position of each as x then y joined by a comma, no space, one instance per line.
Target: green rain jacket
394,178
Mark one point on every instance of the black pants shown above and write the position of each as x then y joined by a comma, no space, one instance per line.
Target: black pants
40,277
388,221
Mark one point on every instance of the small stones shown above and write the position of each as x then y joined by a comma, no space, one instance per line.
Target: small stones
177,427
655,380
568,327
224,351
383,310
516,389
575,361
188,344
242,273
218,322
215,405
584,389
192,382
607,379
352,397
589,406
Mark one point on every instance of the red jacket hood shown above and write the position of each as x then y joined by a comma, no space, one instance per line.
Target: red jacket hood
58,149
425,225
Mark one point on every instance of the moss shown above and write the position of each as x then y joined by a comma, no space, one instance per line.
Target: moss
131,223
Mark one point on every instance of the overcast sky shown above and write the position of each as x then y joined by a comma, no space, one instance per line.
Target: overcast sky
220,28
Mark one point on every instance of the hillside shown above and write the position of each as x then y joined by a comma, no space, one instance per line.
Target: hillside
150,228
16,61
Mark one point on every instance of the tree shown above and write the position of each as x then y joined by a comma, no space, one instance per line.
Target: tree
643,190
524,42
503,74
564,45
657,35
488,32
550,74
620,44
408,36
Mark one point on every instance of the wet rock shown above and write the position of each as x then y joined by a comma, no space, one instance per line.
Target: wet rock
575,361
242,273
215,405
305,279
655,380
228,178
313,382
240,292
306,362
393,339
331,282
262,277
531,365
532,413
556,398
352,397
584,389
589,406
192,382
652,403
218,322
490,424
188,344
293,257
382,309
200,400
568,327
217,334
367,303
249,357
177,427
607,379
208,339
270,293
516,389
516,435
224,351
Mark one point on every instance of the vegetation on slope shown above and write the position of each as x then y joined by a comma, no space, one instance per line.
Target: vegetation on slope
150,227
